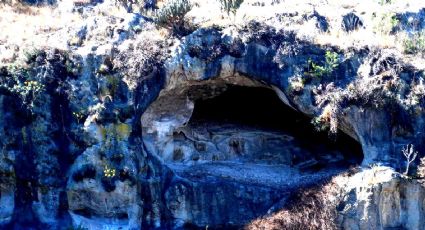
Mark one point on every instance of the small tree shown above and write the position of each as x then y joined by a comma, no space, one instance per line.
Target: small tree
410,154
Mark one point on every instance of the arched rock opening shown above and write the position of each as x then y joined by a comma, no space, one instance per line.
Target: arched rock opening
210,123
233,148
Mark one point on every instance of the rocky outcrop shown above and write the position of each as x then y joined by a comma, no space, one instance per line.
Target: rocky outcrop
383,200
213,129
372,198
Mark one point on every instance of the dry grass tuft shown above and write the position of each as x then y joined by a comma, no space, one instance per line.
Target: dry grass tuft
311,209
139,57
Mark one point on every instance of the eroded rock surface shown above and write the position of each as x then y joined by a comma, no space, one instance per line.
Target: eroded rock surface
380,198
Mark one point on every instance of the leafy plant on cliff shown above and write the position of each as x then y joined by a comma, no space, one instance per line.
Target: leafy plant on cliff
230,6
327,68
172,15
19,82
108,171
109,178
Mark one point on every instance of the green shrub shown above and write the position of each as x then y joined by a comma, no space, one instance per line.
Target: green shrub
331,63
415,44
230,6
172,14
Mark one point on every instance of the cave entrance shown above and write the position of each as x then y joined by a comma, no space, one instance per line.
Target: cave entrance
237,151
253,125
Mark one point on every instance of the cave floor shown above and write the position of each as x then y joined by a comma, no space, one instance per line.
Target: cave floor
272,176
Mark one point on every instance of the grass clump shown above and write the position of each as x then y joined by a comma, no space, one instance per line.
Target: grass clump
311,209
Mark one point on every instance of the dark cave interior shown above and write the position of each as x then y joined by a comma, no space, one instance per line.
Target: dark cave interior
260,108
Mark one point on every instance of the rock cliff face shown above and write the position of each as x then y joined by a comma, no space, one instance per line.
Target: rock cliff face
126,129
383,201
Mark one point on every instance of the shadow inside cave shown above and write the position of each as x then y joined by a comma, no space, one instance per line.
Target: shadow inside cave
257,127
